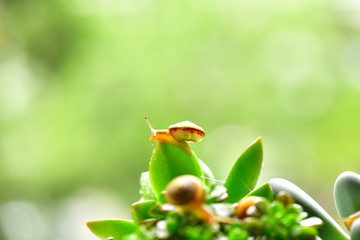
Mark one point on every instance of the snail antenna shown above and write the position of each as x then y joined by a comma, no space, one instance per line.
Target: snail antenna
148,122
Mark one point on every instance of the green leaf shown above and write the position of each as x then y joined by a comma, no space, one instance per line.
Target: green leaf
330,230
168,162
208,175
116,228
245,172
140,210
264,190
347,193
146,190
355,230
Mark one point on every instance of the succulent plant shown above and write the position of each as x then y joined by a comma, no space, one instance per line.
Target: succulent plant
181,199
347,201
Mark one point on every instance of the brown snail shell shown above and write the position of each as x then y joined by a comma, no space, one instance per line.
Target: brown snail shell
185,189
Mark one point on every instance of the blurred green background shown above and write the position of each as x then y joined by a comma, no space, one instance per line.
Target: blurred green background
77,77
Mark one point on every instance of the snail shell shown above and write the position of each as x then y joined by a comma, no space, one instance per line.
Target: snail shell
185,189
186,131
187,193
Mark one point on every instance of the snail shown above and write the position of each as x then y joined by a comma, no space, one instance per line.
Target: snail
178,134
186,192
285,198
350,219
245,204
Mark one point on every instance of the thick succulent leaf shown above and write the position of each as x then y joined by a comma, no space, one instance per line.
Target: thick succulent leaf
140,210
264,190
245,172
355,230
115,228
146,190
347,193
168,162
330,230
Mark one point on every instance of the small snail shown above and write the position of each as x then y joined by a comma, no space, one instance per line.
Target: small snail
187,193
350,219
285,198
178,134
185,189
242,207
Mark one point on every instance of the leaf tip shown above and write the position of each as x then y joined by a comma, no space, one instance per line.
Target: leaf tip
89,224
257,145
258,140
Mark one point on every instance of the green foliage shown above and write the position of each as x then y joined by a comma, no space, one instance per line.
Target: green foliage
330,230
264,190
208,176
268,220
168,162
235,210
291,215
115,228
245,172
140,211
146,190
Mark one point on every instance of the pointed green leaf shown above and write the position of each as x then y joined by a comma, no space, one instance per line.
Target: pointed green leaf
347,193
168,162
245,172
116,228
264,190
146,190
330,229
140,210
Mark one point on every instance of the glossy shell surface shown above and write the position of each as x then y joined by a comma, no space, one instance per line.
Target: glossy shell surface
185,189
186,131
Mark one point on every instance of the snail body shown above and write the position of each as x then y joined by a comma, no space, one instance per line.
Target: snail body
178,134
350,219
241,207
